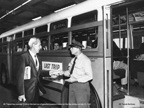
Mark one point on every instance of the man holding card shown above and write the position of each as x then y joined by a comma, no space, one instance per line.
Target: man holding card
28,73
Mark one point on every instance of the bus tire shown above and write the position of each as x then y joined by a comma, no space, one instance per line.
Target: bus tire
3,76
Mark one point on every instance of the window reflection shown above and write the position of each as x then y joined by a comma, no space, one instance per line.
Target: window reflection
5,48
44,42
19,46
88,37
57,45
59,41
26,45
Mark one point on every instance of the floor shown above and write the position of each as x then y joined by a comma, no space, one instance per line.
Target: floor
137,91
7,95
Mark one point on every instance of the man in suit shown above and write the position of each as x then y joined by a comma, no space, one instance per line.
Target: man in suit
29,87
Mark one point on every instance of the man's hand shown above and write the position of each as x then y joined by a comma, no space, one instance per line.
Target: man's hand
22,98
55,73
66,73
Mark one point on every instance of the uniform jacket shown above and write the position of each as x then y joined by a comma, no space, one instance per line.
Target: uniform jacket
29,87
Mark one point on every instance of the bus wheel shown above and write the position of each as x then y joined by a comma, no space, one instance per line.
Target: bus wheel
3,76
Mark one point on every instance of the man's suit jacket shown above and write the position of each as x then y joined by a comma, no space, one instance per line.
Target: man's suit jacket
29,87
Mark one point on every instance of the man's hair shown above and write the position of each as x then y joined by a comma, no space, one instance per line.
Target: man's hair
32,41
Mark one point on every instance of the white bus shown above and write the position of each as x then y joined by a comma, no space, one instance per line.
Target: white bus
96,24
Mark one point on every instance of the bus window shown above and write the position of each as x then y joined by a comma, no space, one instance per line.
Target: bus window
1,40
137,41
119,42
41,29
28,32
88,37
18,35
4,39
26,45
59,41
4,48
18,46
59,25
84,18
44,42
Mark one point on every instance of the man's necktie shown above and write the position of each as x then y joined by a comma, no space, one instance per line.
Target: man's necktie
71,71
36,63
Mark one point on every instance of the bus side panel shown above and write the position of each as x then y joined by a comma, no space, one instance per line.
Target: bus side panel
54,88
53,92
98,77
14,67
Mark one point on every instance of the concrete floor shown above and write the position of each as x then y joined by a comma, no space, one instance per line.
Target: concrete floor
8,96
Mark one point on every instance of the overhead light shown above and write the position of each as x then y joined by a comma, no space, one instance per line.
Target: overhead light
34,19
64,8
12,11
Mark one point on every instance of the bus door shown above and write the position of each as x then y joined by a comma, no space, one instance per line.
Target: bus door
107,58
121,44
127,30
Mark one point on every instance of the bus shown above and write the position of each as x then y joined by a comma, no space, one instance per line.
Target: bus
98,25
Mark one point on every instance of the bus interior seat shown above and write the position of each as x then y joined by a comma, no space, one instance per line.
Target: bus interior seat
118,55
118,74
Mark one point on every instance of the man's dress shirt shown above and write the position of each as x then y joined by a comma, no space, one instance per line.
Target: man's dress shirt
82,70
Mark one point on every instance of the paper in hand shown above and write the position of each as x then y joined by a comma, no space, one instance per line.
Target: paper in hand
27,73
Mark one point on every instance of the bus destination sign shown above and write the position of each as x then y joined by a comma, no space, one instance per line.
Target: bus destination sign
51,65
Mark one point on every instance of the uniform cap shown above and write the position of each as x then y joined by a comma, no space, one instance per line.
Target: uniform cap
76,44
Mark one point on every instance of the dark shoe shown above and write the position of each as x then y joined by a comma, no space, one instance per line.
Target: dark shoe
136,84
